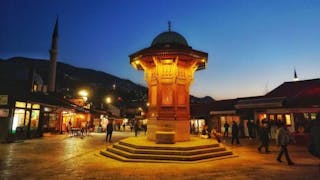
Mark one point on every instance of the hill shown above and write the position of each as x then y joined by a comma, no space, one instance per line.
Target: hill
71,79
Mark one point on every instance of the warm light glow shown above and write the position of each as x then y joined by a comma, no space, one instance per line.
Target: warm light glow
20,104
167,61
148,104
83,93
108,100
288,119
36,106
137,62
47,109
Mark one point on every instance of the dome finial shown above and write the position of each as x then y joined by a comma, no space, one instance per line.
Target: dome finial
169,26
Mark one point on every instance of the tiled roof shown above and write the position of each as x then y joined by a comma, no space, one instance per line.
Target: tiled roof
295,88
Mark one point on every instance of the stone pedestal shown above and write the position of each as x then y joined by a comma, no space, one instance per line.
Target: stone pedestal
164,137
181,129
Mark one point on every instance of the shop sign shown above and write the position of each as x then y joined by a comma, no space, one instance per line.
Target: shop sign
4,112
3,99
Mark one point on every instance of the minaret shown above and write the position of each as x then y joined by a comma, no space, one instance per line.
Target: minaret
53,59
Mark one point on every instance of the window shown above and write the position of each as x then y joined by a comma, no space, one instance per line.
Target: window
18,119
167,95
35,106
288,119
271,117
20,104
34,119
35,87
279,117
27,118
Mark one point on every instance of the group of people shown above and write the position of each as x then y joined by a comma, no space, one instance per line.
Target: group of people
135,126
283,137
234,131
81,129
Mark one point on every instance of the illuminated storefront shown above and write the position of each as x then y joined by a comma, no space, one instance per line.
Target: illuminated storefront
25,119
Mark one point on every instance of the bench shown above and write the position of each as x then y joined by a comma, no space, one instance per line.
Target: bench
165,137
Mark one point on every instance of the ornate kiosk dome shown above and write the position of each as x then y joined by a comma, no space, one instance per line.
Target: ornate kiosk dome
169,38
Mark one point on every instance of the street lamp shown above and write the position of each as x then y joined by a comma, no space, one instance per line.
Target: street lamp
84,94
108,100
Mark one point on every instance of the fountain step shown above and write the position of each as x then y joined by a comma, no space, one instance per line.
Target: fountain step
168,152
124,159
169,157
164,147
139,149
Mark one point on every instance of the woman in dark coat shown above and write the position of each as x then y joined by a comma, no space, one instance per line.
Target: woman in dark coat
264,138
235,132
109,131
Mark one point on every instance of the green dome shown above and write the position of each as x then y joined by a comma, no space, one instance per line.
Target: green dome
169,38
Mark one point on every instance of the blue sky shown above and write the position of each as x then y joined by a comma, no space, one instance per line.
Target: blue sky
253,45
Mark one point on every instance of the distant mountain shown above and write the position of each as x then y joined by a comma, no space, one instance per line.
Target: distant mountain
204,100
71,79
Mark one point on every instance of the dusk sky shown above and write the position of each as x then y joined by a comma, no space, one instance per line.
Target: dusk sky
253,45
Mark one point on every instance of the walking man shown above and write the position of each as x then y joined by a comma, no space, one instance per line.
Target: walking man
314,145
284,138
109,131
264,138
235,132
136,128
226,129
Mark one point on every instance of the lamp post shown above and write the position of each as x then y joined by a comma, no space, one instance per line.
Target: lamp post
84,94
108,100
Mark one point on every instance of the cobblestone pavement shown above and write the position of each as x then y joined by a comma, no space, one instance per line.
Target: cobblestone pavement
63,157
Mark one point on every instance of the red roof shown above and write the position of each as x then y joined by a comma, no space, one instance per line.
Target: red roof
297,89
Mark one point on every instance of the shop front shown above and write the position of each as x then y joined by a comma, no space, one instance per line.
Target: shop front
25,122
197,125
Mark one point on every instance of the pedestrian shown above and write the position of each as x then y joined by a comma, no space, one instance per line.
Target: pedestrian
69,128
264,137
109,130
87,129
204,132
145,128
235,132
241,129
226,129
136,128
284,139
314,145
124,127
216,134
250,128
